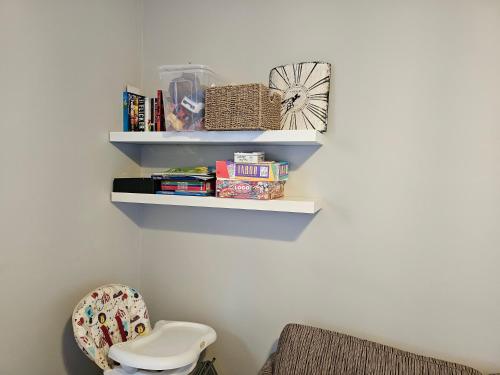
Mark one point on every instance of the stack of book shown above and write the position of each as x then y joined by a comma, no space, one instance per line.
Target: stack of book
250,177
197,181
141,113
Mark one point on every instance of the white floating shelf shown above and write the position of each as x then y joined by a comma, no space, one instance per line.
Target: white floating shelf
288,204
271,137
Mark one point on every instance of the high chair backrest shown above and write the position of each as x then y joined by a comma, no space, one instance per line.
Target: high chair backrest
108,315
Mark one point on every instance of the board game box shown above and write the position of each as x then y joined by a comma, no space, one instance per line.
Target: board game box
249,157
265,171
262,190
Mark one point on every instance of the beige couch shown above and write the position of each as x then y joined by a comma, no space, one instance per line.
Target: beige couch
304,350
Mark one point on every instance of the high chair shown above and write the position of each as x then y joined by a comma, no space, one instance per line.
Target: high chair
111,326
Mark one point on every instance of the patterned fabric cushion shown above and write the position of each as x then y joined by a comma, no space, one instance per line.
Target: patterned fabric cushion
107,315
304,350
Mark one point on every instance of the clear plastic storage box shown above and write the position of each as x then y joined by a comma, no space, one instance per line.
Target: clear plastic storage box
183,88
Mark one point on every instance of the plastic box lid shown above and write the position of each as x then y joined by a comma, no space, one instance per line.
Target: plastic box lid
185,68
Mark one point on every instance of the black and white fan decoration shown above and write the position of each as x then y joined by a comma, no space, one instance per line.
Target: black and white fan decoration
304,88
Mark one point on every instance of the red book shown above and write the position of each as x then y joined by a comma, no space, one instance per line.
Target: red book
183,188
204,186
160,112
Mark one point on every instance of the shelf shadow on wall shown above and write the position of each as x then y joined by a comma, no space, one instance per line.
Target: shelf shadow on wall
134,212
226,222
160,156
133,152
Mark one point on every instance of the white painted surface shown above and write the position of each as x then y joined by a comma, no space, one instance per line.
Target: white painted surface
288,204
63,65
406,247
170,346
405,250
276,137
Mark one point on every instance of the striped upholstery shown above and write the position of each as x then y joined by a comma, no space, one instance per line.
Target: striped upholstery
304,350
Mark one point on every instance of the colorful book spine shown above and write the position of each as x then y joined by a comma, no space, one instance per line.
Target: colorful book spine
186,186
134,109
141,113
125,111
183,183
157,112
153,114
160,112
191,193
134,115
133,112
147,113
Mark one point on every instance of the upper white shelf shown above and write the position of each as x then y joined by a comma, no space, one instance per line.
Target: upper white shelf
270,137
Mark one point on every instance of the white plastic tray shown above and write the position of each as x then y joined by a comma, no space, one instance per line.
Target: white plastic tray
169,346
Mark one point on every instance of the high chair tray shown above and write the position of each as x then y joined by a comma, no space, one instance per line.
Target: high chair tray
170,345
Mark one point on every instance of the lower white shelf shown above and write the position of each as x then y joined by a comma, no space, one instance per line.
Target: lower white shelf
287,204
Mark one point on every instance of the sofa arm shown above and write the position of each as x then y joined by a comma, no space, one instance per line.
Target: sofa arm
267,369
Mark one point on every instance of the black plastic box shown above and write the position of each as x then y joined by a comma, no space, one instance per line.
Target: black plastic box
136,185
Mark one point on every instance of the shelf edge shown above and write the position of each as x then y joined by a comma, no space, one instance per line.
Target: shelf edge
288,204
271,137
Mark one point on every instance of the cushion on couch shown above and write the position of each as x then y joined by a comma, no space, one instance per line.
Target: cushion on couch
304,350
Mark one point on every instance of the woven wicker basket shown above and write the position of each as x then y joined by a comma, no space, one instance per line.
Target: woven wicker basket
242,107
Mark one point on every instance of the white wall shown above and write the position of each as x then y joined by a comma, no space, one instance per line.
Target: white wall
63,65
405,251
